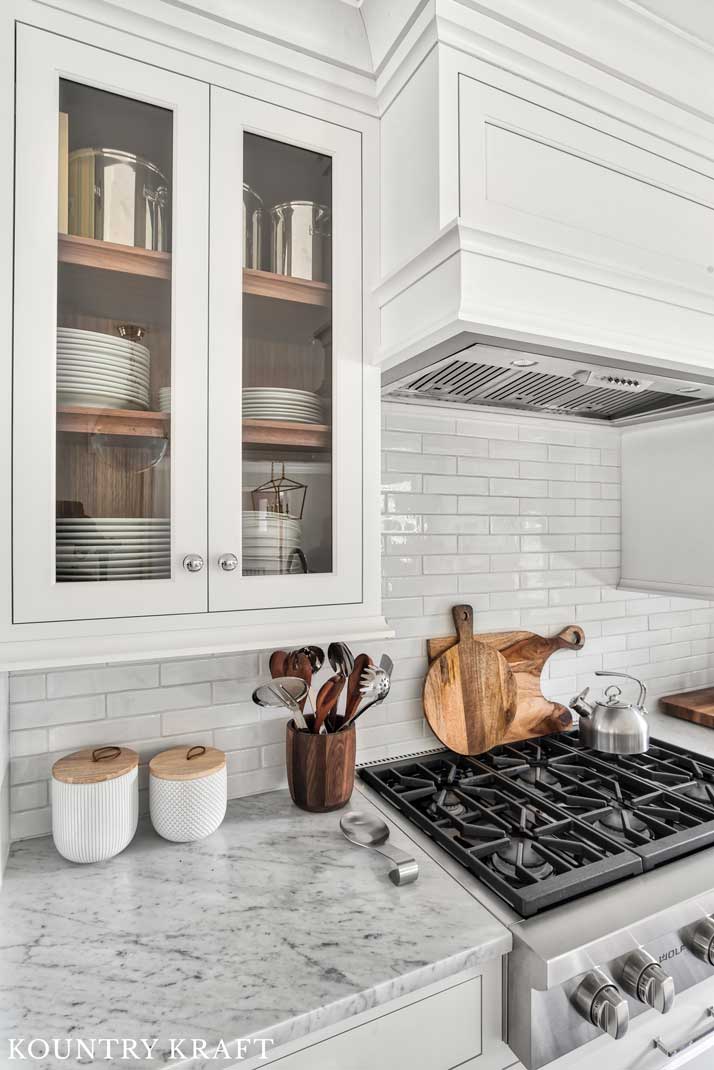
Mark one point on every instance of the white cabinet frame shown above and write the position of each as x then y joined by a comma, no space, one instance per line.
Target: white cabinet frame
44,58
231,116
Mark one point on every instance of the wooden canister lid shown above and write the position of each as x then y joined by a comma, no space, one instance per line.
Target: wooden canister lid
187,763
94,764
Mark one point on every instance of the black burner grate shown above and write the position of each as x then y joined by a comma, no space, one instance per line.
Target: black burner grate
543,821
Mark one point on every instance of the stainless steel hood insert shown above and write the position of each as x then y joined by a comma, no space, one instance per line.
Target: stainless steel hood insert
544,384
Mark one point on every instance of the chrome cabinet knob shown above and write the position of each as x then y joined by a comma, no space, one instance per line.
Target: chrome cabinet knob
599,1000
228,562
702,940
193,562
644,979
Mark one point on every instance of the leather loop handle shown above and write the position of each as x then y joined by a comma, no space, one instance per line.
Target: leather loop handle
195,752
101,754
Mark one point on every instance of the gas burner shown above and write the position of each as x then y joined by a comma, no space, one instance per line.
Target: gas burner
621,820
519,858
446,800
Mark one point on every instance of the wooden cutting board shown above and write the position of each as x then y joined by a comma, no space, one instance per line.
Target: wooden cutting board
469,691
526,653
696,706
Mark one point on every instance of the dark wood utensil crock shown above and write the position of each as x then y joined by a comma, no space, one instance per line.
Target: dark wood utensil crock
321,768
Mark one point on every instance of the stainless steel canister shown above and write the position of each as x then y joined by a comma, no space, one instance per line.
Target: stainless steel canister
301,240
118,197
252,229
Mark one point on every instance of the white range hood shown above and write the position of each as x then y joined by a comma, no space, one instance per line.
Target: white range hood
540,251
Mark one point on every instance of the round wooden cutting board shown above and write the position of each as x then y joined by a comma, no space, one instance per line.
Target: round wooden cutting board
470,693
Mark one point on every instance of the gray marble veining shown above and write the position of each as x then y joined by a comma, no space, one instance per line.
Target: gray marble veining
275,927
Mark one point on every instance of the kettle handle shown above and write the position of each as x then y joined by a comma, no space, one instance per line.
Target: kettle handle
626,676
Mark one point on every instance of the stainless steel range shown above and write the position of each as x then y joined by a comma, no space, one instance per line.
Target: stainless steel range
597,863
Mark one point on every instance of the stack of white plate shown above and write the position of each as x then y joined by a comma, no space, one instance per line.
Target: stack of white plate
164,399
113,548
272,403
269,542
101,370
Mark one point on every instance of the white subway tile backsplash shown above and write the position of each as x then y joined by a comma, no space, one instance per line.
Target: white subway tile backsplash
101,679
518,516
157,699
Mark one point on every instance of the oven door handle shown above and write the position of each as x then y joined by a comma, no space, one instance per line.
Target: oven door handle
671,1052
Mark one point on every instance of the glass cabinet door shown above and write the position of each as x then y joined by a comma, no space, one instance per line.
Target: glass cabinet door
108,502
286,479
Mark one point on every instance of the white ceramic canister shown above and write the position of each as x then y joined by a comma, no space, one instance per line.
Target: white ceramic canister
95,802
187,792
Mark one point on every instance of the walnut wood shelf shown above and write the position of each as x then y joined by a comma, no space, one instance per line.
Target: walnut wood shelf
87,420
287,434
286,288
131,260
128,259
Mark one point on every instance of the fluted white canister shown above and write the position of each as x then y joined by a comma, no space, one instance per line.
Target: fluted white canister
95,803
187,792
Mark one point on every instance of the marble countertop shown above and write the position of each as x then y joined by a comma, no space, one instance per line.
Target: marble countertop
684,733
273,927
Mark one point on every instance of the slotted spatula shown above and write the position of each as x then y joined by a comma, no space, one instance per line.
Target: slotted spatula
470,693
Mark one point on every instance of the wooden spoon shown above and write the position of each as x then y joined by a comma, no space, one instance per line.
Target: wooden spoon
470,693
327,698
278,663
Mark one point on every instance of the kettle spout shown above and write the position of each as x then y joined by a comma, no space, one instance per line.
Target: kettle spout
581,705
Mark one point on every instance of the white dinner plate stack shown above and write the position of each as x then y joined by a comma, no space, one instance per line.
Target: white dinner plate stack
272,403
113,548
164,399
269,543
101,370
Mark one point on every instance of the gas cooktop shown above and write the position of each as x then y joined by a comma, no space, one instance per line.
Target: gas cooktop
544,821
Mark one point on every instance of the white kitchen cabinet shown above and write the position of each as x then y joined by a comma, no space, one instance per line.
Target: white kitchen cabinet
450,1024
668,506
195,447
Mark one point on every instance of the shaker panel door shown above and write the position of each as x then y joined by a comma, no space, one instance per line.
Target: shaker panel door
110,348
285,358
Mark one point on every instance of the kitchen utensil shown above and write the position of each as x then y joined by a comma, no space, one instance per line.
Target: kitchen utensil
252,229
340,658
284,691
374,688
526,654
696,706
386,663
366,830
299,666
327,699
95,802
300,240
187,792
116,196
610,724
353,695
278,663
316,655
321,768
470,692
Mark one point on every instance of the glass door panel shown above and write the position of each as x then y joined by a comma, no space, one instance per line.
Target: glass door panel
110,356
285,483
113,343
287,359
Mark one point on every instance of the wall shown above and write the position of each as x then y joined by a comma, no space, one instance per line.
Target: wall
519,517
4,773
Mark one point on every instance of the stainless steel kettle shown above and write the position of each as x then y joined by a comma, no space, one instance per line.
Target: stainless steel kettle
610,724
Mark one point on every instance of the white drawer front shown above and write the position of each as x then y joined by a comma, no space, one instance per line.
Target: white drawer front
436,1033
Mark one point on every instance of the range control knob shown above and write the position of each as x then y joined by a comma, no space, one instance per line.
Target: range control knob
644,979
702,940
599,1000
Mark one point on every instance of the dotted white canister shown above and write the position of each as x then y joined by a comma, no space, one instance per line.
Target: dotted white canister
187,792
95,803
